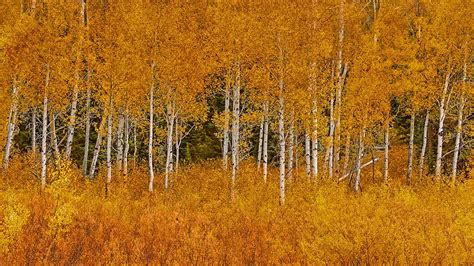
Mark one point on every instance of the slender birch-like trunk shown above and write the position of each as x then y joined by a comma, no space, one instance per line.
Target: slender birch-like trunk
315,140
282,140
169,142
135,148
265,143
109,144
88,98
341,74
225,144
385,154
457,143
33,133
442,116
150,137
177,143
424,143
11,125
44,142
360,154
337,130
411,148
296,152
330,151
87,133
72,118
235,129
260,144
44,136
291,144
95,155
347,151
54,136
127,144
307,149
120,127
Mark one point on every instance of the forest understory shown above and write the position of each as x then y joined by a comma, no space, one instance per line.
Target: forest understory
195,222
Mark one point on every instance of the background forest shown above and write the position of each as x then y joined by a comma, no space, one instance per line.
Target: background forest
234,132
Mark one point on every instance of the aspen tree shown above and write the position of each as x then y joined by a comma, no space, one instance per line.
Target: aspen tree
440,133
170,120
33,132
307,149
424,143
291,144
260,144
120,141
281,126
235,127
44,133
109,140
11,125
457,143
127,144
265,142
225,144
150,132
386,152
411,148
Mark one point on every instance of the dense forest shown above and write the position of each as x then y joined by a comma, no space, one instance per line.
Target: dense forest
236,132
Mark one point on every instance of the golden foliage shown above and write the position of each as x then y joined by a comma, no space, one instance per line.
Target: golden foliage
195,222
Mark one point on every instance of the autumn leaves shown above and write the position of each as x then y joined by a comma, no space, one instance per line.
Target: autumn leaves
328,81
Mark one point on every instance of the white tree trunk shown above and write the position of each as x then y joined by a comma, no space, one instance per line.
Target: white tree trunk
347,151
54,136
44,141
330,151
87,133
44,136
84,12
135,148
235,130
315,140
95,156
385,155
33,133
120,131
127,144
265,143
425,142
307,149
457,143
225,144
442,116
282,141
411,148
169,142
88,99
150,141
72,119
109,144
11,126
338,129
360,154
296,152
260,145
177,143
291,144
341,75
